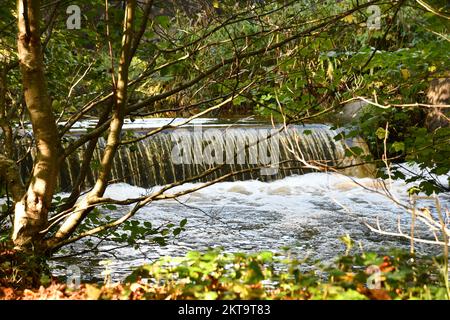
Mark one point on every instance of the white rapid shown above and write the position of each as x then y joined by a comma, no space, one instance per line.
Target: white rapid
307,213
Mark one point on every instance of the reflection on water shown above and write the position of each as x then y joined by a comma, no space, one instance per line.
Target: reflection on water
307,213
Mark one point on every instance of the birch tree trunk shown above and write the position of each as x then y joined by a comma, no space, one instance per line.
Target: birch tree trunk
31,212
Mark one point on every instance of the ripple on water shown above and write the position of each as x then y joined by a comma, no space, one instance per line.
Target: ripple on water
307,213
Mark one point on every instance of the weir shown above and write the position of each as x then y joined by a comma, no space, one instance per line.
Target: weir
179,154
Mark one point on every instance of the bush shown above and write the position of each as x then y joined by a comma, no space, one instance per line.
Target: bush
261,276
219,275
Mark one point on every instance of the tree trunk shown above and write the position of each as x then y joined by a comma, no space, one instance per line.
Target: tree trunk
31,213
83,208
438,94
5,125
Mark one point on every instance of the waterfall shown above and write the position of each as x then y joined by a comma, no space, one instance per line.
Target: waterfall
176,155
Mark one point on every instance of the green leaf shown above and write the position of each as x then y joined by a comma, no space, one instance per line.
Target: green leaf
210,295
398,146
160,240
163,21
381,133
148,225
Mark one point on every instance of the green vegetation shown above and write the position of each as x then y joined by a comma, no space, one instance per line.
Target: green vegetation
266,276
219,275
284,61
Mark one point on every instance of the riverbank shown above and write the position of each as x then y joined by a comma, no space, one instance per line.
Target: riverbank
215,275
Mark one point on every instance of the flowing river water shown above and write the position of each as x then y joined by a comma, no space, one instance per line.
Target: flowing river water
307,213
298,209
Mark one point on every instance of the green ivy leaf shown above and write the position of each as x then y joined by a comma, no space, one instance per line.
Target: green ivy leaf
380,133
398,146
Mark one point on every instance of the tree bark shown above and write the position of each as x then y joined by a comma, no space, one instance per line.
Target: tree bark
4,123
438,94
31,212
83,208
9,173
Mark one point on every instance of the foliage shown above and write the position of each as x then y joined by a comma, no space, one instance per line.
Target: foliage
395,67
131,233
21,270
267,276
328,60
220,275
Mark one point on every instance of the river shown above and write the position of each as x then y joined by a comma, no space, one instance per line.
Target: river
307,213
304,211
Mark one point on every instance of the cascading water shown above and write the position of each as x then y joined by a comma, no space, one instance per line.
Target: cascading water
307,212
177,155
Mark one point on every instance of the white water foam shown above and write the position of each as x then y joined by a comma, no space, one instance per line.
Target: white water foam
307,213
